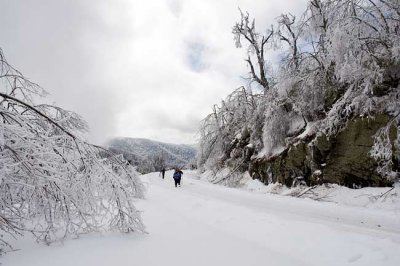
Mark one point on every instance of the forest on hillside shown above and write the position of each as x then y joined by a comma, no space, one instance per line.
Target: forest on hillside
328,112
152,156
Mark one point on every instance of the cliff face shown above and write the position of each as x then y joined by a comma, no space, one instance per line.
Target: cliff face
343,159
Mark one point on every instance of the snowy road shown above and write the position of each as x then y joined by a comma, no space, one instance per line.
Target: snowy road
204,224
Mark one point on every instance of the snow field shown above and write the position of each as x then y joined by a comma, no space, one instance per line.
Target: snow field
204,224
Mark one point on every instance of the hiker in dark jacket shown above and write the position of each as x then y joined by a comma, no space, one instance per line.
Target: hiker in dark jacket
177,177
162,173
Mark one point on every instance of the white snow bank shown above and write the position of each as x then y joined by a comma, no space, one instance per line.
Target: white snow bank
370,197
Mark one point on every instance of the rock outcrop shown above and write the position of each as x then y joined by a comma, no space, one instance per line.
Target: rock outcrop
343,159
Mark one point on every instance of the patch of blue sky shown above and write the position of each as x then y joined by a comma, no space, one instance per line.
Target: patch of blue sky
195,56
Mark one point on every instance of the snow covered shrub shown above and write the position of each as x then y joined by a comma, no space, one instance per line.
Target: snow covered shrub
382,151
52,183
386,142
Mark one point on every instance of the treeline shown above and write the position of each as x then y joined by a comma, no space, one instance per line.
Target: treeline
152,156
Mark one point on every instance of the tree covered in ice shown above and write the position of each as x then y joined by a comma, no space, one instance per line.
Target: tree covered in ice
53,184
226,133
339,60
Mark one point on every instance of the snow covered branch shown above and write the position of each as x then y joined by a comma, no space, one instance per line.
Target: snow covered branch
257,44
54,184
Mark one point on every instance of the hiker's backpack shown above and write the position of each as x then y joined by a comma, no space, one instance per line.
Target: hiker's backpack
177,175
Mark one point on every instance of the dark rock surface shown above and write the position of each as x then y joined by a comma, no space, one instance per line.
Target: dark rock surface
342,159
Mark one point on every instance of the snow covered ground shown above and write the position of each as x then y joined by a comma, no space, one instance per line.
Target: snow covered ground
204,224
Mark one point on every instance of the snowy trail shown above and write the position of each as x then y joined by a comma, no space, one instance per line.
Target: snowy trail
204,224
303,209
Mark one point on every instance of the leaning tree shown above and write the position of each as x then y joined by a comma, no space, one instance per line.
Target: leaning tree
54,184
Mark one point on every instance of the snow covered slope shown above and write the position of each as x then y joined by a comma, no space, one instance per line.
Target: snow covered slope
143,152
204,224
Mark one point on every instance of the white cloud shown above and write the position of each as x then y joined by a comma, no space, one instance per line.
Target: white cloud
133,68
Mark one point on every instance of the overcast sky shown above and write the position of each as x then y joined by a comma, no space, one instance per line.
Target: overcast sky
135,68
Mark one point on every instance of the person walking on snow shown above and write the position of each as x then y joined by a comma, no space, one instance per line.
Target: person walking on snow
162,172
177,177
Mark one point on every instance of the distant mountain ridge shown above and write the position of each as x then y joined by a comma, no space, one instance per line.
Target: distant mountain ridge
149,155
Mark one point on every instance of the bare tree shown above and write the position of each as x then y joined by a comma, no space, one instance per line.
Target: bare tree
246,29
288,33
